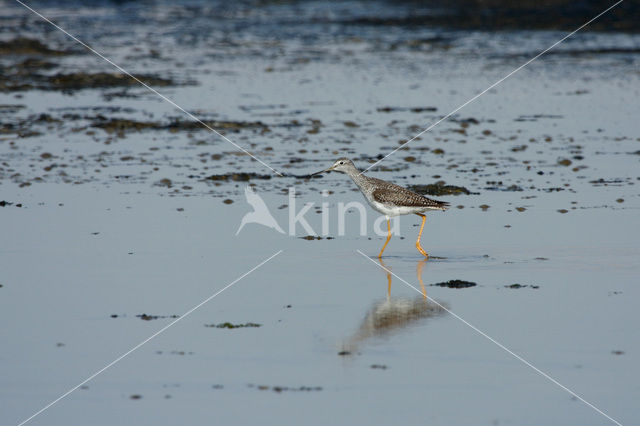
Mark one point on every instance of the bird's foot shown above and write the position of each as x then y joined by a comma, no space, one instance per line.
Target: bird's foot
421,250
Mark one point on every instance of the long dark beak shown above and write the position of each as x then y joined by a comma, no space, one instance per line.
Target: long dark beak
320,172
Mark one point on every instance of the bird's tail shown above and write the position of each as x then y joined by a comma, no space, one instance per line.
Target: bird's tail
442,205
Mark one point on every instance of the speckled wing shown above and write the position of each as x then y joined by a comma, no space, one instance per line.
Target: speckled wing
399,196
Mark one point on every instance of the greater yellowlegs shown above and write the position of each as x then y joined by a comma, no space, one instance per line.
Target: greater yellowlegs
388,198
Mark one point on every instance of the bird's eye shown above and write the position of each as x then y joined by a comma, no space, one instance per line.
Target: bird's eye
342,162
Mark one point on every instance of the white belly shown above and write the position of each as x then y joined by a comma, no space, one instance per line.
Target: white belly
392,211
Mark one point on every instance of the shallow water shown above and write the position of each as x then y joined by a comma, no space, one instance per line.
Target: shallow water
118,222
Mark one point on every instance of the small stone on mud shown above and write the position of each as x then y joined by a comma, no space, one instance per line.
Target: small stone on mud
228,201
484,207
379,366
344,353
521,209
164,182
135,396
311,237
620,200
617,352
564,162
563,211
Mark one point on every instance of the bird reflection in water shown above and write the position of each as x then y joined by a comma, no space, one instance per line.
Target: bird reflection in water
394,314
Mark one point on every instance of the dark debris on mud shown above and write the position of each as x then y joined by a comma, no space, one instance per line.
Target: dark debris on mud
236,177
29,46
20,77
146,317
455,284
27,64
122,125
25,128
499,186
404,109
230,326
517,286
378,367
440,188
280,389
100,80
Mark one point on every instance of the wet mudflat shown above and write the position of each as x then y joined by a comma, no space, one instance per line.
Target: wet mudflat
119,214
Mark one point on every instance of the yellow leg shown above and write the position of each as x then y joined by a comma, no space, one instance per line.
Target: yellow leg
388,277
419,274
418,246
388,238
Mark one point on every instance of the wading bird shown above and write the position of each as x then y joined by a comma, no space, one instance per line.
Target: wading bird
388,198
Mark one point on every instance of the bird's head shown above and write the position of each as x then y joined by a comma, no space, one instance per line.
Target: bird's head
342,165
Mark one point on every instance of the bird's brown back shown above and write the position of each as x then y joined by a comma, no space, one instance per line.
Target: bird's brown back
390,193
